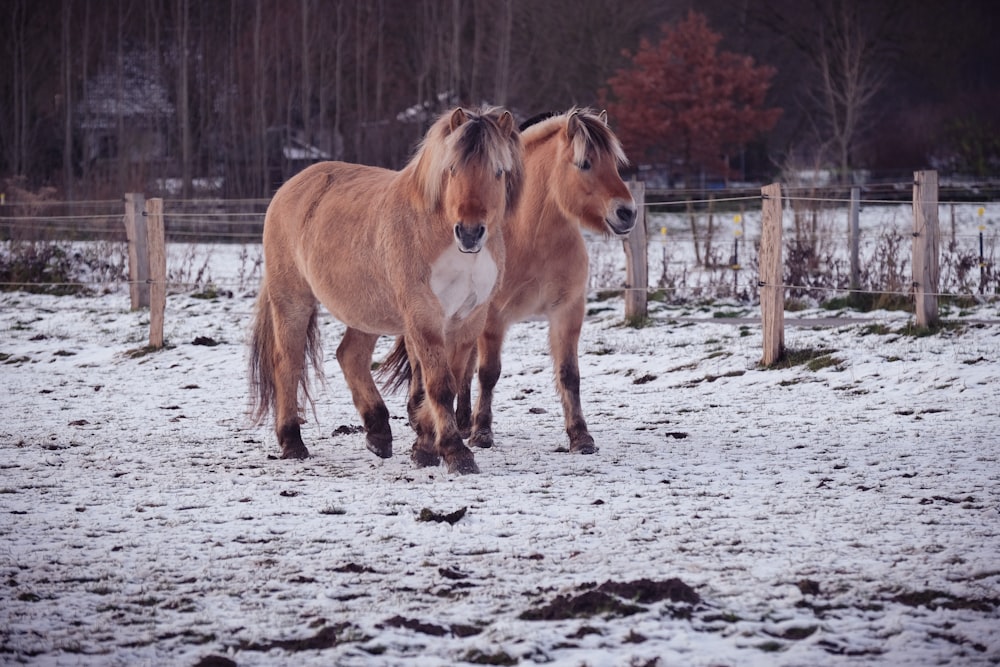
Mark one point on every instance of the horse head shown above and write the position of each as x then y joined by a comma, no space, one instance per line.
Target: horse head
479,158
589,186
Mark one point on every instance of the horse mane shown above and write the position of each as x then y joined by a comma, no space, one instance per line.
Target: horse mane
479,139
591,133
536,119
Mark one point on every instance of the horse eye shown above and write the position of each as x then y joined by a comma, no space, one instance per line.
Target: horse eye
585,165
499,173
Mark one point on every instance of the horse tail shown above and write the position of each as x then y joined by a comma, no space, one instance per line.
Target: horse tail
262,359
395,372
262,354
261,370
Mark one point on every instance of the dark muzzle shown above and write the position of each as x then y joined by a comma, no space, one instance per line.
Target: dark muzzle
470,237
626,215
623,220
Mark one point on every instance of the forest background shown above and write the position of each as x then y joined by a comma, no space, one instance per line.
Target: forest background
230,97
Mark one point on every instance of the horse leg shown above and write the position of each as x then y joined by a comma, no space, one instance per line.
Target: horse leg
437,412
354,354
295,333
415,395
490,344
464,371
423,453
564,338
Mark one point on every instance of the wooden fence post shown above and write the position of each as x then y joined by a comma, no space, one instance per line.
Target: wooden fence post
138,258
636,271
854,224
925,247
772,290
157,271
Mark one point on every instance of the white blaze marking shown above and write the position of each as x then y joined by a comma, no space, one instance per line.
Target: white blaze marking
463,280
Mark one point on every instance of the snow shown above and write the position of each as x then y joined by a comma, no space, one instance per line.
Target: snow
844,515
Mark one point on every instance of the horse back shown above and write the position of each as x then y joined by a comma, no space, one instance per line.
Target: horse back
354,237
326,233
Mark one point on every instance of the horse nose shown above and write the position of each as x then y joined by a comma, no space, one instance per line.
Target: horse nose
626,214
470,237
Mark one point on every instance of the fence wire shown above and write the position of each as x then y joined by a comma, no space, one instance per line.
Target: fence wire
237,221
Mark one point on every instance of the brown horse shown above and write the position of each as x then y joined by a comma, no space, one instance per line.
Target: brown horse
571,164
416,252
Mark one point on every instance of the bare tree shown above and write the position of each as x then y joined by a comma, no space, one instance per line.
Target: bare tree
17,144
258,126
183,94
849,45
67,97
851,76
502,76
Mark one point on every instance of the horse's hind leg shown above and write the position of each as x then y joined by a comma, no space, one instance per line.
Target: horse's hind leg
564,337
490,344
295,338
355,357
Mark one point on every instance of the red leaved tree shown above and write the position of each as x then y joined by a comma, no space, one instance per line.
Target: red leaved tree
684,102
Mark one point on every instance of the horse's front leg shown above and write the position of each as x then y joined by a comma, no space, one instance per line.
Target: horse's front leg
464,366
564,338
355,357
437,412
424,451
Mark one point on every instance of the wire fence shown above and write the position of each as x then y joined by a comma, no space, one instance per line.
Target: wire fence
700,246
693,248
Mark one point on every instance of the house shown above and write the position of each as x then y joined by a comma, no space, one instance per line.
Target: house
126,113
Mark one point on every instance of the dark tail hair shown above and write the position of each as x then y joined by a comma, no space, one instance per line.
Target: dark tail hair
262,352
395,372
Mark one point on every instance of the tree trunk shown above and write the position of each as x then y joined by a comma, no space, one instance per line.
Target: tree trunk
503,54
183,99
259,131
305,92
67,76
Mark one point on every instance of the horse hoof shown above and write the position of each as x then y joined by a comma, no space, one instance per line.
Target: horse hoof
482,438
583,446
464,432
424,459
298,451
380,447
463,464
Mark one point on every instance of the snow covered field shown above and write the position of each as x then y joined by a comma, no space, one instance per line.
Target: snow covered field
840,510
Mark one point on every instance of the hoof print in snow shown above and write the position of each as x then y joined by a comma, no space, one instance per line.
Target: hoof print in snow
205,341
457,630
215,661
614,598
327,637
452,518
585,605
354,568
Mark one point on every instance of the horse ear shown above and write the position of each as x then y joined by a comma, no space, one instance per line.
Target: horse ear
506,122
572,126
603,116
458,117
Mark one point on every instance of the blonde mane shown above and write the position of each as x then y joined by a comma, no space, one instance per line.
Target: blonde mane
478,141
591,135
